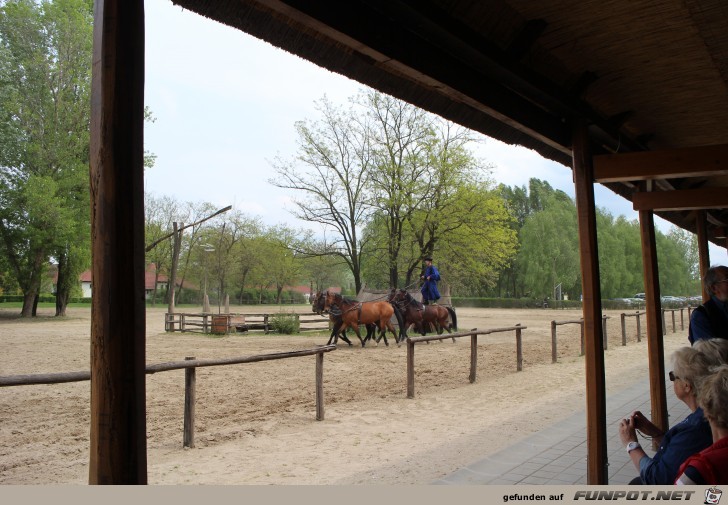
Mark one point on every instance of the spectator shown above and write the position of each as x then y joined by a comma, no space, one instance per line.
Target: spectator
710,466
687,437
717,347
710,320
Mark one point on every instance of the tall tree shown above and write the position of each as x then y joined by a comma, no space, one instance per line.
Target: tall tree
331,178
44,98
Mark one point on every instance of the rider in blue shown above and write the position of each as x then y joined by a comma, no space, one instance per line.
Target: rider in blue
429,291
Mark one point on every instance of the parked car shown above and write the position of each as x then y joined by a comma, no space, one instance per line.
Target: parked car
640,296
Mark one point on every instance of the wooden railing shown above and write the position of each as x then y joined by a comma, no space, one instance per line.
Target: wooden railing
473,334
205,322
190,365
580,322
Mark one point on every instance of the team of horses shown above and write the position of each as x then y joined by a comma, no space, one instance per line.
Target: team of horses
347,313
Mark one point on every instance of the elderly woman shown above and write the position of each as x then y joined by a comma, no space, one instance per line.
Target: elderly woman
710,466
718,347
691,435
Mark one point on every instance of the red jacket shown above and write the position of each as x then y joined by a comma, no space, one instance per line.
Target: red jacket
709,465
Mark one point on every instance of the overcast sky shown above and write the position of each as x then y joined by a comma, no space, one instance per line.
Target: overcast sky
225,105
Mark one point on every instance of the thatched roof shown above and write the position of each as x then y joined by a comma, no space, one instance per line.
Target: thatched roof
643,74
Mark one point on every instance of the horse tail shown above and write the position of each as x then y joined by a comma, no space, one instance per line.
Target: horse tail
453,317
400,323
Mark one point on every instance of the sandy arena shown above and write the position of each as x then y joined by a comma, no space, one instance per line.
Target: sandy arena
255,423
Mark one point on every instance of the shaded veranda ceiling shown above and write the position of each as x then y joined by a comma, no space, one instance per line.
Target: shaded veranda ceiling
644,75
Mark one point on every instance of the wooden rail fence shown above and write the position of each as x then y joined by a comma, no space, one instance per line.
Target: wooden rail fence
190,364
473,334
205,322
580,322
623,317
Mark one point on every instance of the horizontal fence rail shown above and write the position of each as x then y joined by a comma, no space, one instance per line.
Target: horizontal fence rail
473,334
190,364
205,322
580,322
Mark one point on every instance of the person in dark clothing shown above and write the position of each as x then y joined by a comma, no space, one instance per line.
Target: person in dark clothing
710,320
430,276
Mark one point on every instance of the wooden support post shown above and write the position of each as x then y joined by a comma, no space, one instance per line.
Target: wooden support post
592,303
664,326
117,442
519,349
624,329
682,319
581,333
410,369
188,437
604,332
473,356
639,328
553,341
703,250
655,343
320,386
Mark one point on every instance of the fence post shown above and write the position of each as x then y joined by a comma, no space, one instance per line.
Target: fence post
519,348
473,355
265,323
664,326
624,329
320,386
553,341
182,322
639,330
410,369
189,421
582,337
604,331
682,319
673,321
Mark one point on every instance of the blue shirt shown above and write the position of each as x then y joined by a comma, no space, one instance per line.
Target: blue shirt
687,437
700,325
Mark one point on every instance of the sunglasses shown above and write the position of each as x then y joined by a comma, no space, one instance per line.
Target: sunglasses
673,377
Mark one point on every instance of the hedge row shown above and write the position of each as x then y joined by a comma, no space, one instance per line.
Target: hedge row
41,299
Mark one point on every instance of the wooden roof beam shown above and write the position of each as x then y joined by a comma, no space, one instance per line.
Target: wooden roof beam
705,161
525,40
682,199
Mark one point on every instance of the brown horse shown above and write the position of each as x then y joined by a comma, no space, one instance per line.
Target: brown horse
318,302
354,313
421,315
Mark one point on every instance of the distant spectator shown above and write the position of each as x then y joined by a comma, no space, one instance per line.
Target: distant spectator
687,437
710,320
710,466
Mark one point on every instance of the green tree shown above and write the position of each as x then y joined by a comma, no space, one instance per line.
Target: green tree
45,78
331,177
549,253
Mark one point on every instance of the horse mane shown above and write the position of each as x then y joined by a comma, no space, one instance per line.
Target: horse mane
411,299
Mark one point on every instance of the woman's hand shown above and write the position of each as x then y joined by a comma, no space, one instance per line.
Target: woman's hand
627,431
646,426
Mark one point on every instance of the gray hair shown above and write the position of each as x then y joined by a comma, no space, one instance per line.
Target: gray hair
692,366
713,396
712,276
717,348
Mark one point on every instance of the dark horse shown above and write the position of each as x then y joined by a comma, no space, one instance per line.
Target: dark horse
421,315
354,313
317,306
